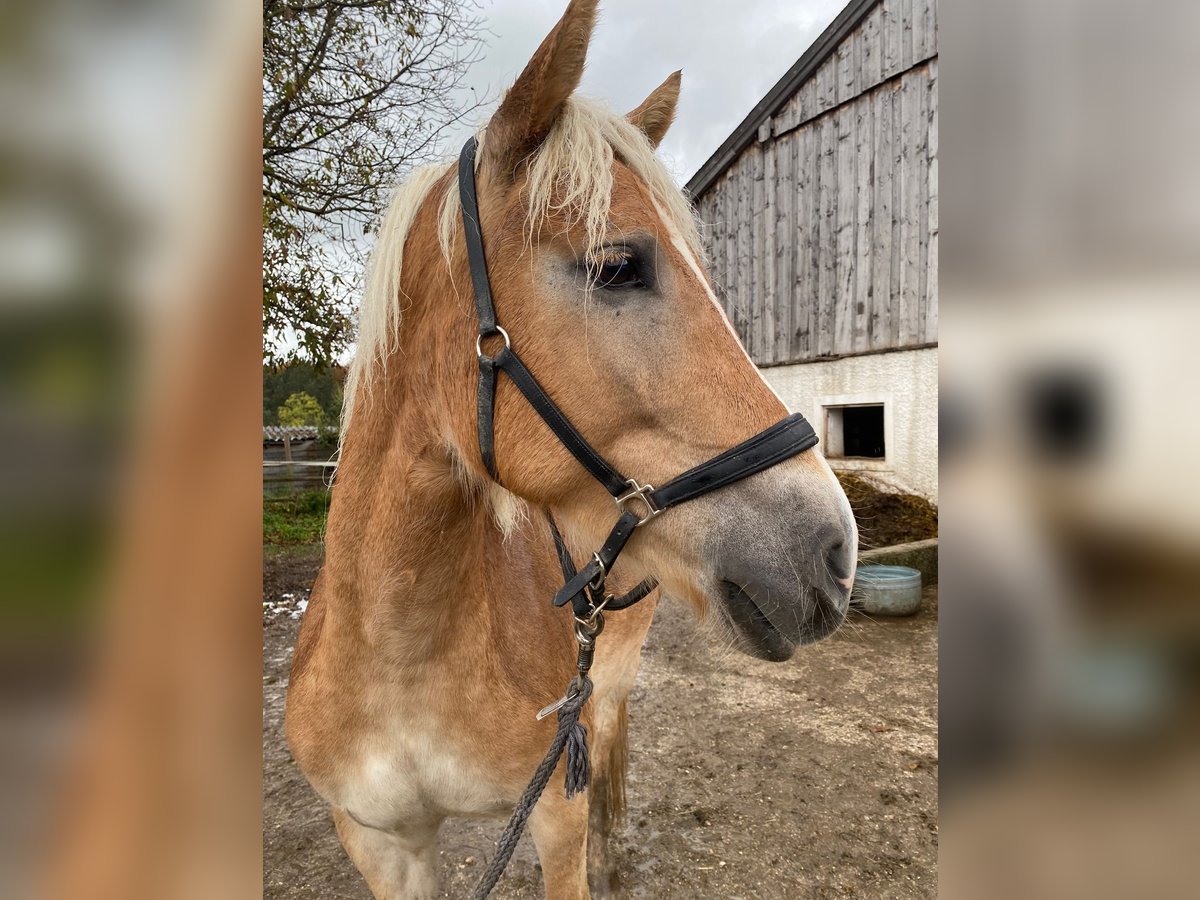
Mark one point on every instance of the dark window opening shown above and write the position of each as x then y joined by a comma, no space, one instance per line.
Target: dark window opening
855,431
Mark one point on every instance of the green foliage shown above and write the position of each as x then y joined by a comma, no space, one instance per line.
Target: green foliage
301,409
322,383
355,93
295,518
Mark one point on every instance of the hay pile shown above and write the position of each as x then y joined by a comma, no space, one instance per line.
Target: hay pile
884,517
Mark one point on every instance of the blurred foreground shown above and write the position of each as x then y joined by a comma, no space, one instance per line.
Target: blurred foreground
129,489
1070,631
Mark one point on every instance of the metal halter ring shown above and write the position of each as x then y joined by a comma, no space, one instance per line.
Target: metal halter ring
586,630
501,332
589,621
640,492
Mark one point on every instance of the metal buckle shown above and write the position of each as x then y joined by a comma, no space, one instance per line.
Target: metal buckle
479,341
638,492
597,583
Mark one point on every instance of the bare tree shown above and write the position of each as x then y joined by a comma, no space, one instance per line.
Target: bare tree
355,92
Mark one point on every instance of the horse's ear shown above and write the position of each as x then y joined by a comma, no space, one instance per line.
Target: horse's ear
534,101
657,111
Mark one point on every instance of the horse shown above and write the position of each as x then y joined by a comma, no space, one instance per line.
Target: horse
429,643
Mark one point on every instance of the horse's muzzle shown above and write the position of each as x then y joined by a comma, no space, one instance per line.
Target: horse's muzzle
776,605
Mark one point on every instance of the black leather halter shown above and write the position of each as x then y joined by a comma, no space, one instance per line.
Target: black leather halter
637,504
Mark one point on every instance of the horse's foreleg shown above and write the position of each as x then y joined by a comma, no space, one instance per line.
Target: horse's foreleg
559,828
607,792
398,865
617,660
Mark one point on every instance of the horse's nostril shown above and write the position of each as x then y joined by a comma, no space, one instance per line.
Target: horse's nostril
838,559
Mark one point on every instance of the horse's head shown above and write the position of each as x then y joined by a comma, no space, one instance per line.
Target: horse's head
596,270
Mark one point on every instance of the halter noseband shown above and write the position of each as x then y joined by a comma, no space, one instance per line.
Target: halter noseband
636,503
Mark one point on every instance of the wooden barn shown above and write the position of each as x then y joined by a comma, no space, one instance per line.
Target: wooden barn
820,219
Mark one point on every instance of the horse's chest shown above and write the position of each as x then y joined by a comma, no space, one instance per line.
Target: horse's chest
407,773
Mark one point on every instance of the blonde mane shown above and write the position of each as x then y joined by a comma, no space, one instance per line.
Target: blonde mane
570,175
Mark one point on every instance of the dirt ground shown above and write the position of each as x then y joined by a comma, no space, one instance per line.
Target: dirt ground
815,778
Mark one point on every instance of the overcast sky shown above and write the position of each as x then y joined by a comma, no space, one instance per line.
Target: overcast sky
731,53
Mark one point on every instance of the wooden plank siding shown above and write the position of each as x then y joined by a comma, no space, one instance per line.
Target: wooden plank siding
822,233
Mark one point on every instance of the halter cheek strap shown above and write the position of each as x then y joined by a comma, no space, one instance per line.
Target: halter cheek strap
485,309
637,504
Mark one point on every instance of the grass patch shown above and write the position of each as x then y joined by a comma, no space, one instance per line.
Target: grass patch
295,519
52,564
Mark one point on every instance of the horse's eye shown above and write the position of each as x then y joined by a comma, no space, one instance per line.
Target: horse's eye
617,273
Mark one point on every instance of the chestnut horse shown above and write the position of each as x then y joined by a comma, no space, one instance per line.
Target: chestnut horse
429,642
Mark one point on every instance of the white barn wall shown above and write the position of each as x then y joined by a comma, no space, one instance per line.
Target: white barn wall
905,381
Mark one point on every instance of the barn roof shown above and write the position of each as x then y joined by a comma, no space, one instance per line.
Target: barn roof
822,48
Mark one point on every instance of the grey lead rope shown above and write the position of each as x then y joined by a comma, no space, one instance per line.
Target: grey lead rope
571,737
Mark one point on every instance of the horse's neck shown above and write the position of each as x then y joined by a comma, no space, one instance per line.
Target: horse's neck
415,565
404,534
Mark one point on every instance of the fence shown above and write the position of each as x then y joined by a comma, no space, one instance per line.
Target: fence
291,465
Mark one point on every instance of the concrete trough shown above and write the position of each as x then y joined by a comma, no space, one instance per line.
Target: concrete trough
919,555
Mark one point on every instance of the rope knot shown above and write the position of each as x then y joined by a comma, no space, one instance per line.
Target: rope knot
578,760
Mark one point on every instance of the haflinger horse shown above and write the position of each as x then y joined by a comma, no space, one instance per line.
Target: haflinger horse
429,643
